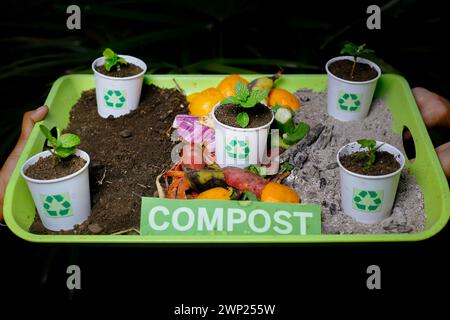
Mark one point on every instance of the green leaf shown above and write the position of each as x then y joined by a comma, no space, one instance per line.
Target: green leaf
355,50
260,171
247,195
108,53
249,103
241,91
349,48
109,64
46,131
69,140
367,143
122,61
112,59
259,95
48,135
230,100
243,119
64,152
285,166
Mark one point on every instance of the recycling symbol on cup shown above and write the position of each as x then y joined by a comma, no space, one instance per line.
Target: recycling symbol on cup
369,201
349,101
114,98
57,205
238,149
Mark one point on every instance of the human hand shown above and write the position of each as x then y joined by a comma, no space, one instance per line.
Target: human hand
435,112
29,119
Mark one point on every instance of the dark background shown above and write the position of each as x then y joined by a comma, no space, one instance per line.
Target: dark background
217,37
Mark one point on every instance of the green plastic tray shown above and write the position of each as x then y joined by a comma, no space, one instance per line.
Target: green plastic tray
19,207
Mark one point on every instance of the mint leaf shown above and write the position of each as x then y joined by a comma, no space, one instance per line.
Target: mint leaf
250,103
259,95
230,100
69,140
241,91
243,119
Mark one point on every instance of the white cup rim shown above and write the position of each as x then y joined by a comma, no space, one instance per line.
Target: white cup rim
360,60
389,175
144,69
47,153
241,129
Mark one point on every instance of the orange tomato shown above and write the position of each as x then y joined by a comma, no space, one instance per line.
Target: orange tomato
204,102
226,86
191,97
283,98
215,194
277,192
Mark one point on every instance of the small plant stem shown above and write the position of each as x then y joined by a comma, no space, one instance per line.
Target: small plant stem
353,68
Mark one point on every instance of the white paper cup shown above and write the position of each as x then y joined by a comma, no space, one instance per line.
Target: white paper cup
118,96
64,202
240,147
368,199
350,100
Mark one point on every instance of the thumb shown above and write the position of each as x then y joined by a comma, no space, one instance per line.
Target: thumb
443,152
30,118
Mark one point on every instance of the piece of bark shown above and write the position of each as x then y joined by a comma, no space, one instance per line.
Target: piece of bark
324,139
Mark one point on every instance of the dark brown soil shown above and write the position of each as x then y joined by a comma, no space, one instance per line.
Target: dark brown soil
343,69
126,70
259,115
47,168
127,154
385,163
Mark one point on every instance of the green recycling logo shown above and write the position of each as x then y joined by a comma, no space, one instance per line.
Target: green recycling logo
367,201
349,101
238,149
114,98
57,205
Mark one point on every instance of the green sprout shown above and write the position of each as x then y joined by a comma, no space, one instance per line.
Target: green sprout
369,153
112,59
63,145
245,98
355,51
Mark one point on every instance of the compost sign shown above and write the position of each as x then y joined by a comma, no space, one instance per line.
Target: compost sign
165,217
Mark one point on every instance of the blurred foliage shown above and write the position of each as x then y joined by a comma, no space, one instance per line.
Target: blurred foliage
203,36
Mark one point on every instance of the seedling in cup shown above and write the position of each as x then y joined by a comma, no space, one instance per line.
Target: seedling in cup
245,99
352,80
58,180
242,124
370,154
63,145
118,83
369,175
112,60
355,51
